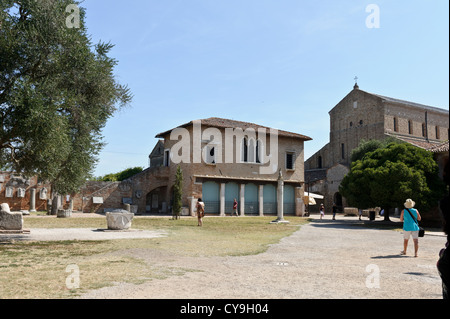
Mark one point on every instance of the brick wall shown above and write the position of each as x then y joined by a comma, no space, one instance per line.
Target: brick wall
16,182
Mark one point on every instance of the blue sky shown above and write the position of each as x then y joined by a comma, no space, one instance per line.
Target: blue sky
283,64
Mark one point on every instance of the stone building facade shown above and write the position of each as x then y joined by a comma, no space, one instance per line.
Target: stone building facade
221,160
362,115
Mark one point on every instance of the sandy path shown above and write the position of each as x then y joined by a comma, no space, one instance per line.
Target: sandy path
324,259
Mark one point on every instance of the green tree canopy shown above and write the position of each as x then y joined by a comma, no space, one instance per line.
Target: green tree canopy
122,175
57,91
367,146
389,175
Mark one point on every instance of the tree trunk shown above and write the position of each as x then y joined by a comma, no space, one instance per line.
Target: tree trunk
386,214
54,204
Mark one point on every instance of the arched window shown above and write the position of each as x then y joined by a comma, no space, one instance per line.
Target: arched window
259,151
244,150
252,151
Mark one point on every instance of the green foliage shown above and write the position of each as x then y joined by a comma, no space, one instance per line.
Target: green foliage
122,175
389,175
367,146
57,91
177,192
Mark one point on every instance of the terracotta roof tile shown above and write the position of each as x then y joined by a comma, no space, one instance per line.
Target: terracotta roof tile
227,123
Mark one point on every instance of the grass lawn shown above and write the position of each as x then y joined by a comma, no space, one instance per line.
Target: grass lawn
38,269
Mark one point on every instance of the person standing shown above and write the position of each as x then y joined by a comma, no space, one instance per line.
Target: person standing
409,217
334,211
235,205
322,211
200,211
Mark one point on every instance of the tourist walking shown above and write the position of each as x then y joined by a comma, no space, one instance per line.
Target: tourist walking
409,217
322,211
200,211
235,205
334,211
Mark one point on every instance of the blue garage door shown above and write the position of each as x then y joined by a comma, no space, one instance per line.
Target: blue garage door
211,197
289,200
270,199
231,192
251,199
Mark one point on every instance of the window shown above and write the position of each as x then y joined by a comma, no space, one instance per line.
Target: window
395,124
210,155
290,160
424,130
360,122
252,151
342,151
410,127
351,124
258,151
438,135
319,162
166,157
245,150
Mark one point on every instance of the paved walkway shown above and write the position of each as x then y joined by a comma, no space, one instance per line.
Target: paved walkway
324,259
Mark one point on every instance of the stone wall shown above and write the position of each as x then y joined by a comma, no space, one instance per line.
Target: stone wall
408,121
110,193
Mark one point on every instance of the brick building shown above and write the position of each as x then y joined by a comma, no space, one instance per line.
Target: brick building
362,115
221,160
17,190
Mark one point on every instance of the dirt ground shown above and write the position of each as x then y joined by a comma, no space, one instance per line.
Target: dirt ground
325,259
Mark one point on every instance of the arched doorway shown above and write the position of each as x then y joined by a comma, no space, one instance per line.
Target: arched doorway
337,199
211,197
289,200
231,192
270,199
156,201
251,199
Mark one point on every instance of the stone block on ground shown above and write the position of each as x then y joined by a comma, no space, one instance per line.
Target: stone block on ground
119,219
64,213
10,220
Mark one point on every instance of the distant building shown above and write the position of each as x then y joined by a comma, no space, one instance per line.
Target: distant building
217,176
362,115
221,160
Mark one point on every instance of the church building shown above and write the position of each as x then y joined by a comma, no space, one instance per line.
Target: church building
363,116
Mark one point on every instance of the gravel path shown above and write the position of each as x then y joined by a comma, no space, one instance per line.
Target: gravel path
56,234
324,259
